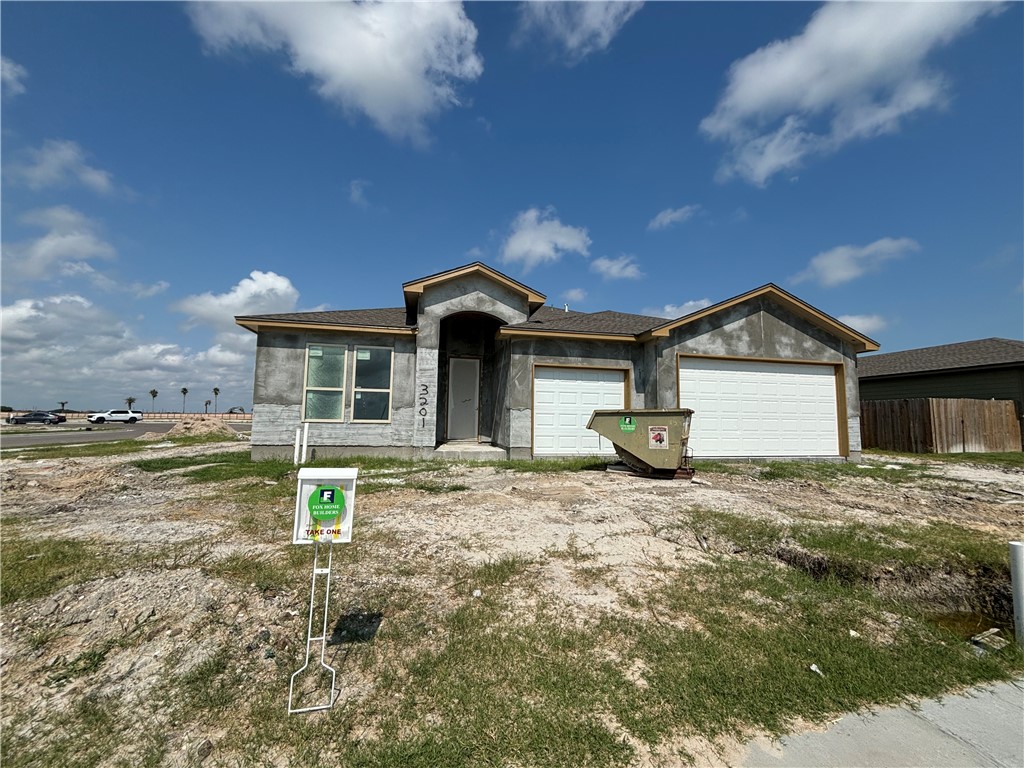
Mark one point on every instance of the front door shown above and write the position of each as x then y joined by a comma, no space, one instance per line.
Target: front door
463,397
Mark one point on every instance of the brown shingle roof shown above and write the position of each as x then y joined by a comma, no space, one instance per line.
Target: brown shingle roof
966,354
614,323
389,317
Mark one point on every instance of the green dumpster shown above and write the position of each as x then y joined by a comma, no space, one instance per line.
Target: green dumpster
651,441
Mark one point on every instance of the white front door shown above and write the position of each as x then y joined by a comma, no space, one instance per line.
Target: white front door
463,398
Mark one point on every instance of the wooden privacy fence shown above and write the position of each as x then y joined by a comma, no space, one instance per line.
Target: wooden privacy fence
940,425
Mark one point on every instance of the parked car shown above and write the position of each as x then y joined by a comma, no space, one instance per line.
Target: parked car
37,417
236,409
129,417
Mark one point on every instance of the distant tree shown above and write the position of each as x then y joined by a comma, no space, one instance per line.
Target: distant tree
152,396
216,391
129,401
184,391
63,404
206,406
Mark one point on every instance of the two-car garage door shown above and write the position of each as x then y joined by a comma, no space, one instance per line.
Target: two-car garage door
563,400
752,408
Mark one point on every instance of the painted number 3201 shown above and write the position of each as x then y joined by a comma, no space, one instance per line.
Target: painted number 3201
424,399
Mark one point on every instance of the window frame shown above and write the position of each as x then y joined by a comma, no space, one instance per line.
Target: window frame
390,390
306,388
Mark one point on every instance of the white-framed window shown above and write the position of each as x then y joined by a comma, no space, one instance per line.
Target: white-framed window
371,385
323,395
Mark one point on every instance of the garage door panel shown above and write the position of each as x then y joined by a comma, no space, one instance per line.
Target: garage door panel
564,399
749,408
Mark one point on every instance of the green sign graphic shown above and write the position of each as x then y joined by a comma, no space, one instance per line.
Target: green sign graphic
627,424
326,502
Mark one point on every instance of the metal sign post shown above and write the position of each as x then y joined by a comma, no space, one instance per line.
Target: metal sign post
324,503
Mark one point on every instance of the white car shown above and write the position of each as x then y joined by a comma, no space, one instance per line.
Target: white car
129,417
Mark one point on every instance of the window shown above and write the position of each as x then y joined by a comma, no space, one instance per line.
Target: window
371,395
324,394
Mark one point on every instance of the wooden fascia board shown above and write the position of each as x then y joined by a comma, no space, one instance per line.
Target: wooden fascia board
416,287
261,325
506,332
796,306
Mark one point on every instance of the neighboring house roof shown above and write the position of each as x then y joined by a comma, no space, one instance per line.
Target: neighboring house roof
984,353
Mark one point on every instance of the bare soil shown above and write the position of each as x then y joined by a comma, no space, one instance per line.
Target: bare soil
575,525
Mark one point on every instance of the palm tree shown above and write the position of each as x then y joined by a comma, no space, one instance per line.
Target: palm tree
216,391
129,401
152,394
63,403
184,391
206,406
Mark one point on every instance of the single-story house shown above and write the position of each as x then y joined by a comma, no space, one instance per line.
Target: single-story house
987,369
474,355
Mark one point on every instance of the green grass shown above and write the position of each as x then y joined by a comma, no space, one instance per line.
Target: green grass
1011,459
112,448
38,566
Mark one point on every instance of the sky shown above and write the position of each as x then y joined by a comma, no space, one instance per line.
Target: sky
168,166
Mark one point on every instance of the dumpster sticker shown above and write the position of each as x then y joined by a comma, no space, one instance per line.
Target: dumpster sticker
657,437
627,424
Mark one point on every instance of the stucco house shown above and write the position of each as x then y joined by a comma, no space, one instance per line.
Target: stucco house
476,356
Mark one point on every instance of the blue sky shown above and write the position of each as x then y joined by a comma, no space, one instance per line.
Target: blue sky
166,167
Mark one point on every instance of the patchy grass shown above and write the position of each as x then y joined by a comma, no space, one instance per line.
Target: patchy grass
112,448
39,566
1011,459
829,471
582,464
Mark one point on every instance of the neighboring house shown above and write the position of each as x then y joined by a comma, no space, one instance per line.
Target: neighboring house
988,369
477,356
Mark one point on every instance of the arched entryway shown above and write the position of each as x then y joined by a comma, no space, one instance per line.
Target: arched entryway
472,369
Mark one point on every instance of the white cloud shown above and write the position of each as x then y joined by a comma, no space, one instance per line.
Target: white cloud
671,216
574,294
866,324
475,253
12,77
357,192
855,72
578,28
260,293
396,63
72,240
538,237
672,311
622,268
60,163
848,262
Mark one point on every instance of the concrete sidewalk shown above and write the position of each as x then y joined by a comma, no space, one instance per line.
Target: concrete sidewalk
983,728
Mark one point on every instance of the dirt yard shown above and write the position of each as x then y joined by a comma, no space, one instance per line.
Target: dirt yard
150,617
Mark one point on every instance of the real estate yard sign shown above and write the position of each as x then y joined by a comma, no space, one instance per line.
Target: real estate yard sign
324,503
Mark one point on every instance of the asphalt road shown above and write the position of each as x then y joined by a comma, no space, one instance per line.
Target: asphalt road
72,432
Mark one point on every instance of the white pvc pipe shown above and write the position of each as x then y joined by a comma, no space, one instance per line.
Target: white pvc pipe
1017,585
305,440
295,458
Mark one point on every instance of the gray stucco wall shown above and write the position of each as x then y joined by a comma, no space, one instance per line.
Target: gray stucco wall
277,393
759,328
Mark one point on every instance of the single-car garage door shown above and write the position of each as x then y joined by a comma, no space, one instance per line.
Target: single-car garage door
749,408
563,400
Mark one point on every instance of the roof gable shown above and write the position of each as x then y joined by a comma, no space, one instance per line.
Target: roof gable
858,341
415,288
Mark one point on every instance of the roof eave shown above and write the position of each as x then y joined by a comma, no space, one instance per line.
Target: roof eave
580,335
256,325
414,288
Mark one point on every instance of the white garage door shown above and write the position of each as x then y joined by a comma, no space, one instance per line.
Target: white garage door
744,408
563,400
